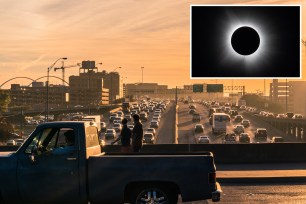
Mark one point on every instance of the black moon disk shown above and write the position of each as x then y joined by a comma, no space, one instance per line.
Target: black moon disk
245,40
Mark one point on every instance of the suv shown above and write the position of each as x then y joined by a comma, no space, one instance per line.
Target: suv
238,118
196,117
244,138
245,123
198,128
261,133
239,129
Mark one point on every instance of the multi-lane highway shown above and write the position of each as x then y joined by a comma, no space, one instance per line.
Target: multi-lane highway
186,126
166,132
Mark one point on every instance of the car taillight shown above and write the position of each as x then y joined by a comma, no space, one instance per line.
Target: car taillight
212,178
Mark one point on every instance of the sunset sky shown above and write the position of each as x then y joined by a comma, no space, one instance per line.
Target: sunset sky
122,33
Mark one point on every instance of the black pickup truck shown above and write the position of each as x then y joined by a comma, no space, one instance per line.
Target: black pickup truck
42,171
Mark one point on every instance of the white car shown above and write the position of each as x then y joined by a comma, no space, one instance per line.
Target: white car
11,143
154,124
148,138
151,130
203,140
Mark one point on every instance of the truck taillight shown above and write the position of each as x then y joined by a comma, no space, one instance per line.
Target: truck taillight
212,178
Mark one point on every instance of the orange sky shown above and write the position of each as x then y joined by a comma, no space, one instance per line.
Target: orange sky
126,33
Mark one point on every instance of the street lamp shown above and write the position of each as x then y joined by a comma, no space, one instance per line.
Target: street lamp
142,74
48,72
111,89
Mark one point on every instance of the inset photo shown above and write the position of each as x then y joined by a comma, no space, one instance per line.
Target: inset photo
261,41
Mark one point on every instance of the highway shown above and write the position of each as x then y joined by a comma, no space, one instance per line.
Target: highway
186,133
166,132
267,193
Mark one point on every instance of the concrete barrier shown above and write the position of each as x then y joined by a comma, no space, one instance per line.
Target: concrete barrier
224,153
233,153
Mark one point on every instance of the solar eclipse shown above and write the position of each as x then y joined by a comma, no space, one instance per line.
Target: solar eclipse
245,41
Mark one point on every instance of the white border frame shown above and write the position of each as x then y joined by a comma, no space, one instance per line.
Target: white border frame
250,5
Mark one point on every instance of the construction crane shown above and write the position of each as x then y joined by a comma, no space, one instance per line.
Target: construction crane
63,70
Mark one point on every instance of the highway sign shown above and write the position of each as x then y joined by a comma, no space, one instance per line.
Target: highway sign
214,88
198,88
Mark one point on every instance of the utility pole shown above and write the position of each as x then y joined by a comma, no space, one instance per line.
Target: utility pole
142,73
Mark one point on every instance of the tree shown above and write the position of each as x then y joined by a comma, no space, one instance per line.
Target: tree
256,101
4,101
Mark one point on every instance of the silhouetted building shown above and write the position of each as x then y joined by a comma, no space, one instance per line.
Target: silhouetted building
34,97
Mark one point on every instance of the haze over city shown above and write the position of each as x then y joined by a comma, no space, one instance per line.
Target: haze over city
128,34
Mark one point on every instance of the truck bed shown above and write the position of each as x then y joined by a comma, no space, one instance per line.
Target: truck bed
125,169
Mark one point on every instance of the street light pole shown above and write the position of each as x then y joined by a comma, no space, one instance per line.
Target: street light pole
47,85
142,74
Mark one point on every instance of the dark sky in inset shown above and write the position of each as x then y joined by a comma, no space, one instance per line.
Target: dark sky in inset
212,51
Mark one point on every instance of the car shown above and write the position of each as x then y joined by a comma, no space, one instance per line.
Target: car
154,124
148,138
156,119
110,134
261,133
230,138
245,123
297,116
117,127
238,118
78,106
192,106
128,117
203,140
243,107
198,128
196,117
143,116
233,113
112,117
276,139
103,126
131,127
289,114
120,113
244,138
134,112
281,116
151,130
19,142
11,143
192,111
239,129
227,110
116,121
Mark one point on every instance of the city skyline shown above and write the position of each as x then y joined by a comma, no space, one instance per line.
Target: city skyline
143,34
